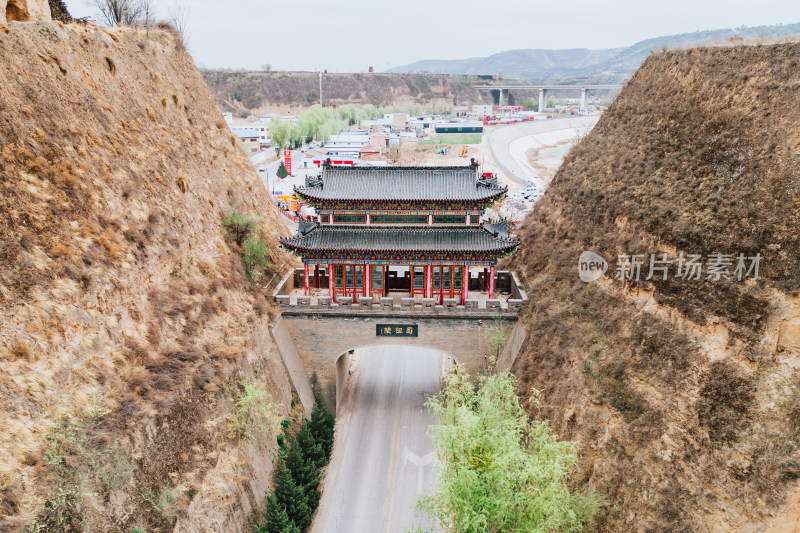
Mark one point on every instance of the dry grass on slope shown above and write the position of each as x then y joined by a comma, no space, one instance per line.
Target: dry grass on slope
682,394
125,317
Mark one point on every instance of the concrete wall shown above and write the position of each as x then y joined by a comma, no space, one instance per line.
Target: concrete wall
515,340
24,10
289,282
321,341
293,364
342,373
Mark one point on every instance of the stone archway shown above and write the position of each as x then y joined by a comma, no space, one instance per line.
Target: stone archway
17,11
315,349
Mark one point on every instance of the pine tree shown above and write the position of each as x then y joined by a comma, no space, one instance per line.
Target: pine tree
304,472
282,172
311,449
277,519
292,497
322,427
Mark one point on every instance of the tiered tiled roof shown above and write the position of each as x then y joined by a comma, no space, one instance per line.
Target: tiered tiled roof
399,239
408,184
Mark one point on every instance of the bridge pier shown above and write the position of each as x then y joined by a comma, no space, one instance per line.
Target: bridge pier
501,94
503,97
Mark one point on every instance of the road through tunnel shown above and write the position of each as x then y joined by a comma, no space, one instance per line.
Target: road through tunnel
383,458
321,341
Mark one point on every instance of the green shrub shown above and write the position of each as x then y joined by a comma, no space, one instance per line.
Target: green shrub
162,501
255,258
118,470
498,470
238,227
78,457
253,412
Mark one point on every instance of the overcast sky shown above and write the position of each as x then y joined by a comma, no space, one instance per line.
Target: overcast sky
351,35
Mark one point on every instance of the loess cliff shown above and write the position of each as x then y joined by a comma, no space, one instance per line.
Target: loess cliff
127,323
683,394
243,91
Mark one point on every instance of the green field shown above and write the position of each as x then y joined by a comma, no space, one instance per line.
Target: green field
454,138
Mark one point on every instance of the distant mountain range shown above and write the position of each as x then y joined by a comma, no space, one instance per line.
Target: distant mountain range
611,65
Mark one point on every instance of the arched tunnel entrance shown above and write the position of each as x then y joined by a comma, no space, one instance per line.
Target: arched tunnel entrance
352,363
383,457
312,346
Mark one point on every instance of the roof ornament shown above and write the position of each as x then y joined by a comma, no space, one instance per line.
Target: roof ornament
313,181
305,226
498,229
472,162
488,180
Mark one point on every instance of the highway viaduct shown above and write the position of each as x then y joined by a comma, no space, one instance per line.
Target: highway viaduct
503,91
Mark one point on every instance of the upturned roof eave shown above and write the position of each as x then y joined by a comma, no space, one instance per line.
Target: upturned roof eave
304,193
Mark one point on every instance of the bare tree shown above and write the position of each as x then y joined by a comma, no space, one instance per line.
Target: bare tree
178,18
148,15
122,12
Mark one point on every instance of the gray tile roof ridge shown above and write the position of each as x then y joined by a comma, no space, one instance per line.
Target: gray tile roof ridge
403,238
452,183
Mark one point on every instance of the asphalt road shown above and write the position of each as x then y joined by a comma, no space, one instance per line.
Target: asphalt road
513,165
382,457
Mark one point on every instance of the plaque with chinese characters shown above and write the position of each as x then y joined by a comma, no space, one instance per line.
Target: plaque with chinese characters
396,330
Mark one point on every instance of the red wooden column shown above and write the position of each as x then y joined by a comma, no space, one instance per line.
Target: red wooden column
316,277
305,285
331,281
491,281
465,285
485,280
367,281
428,281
